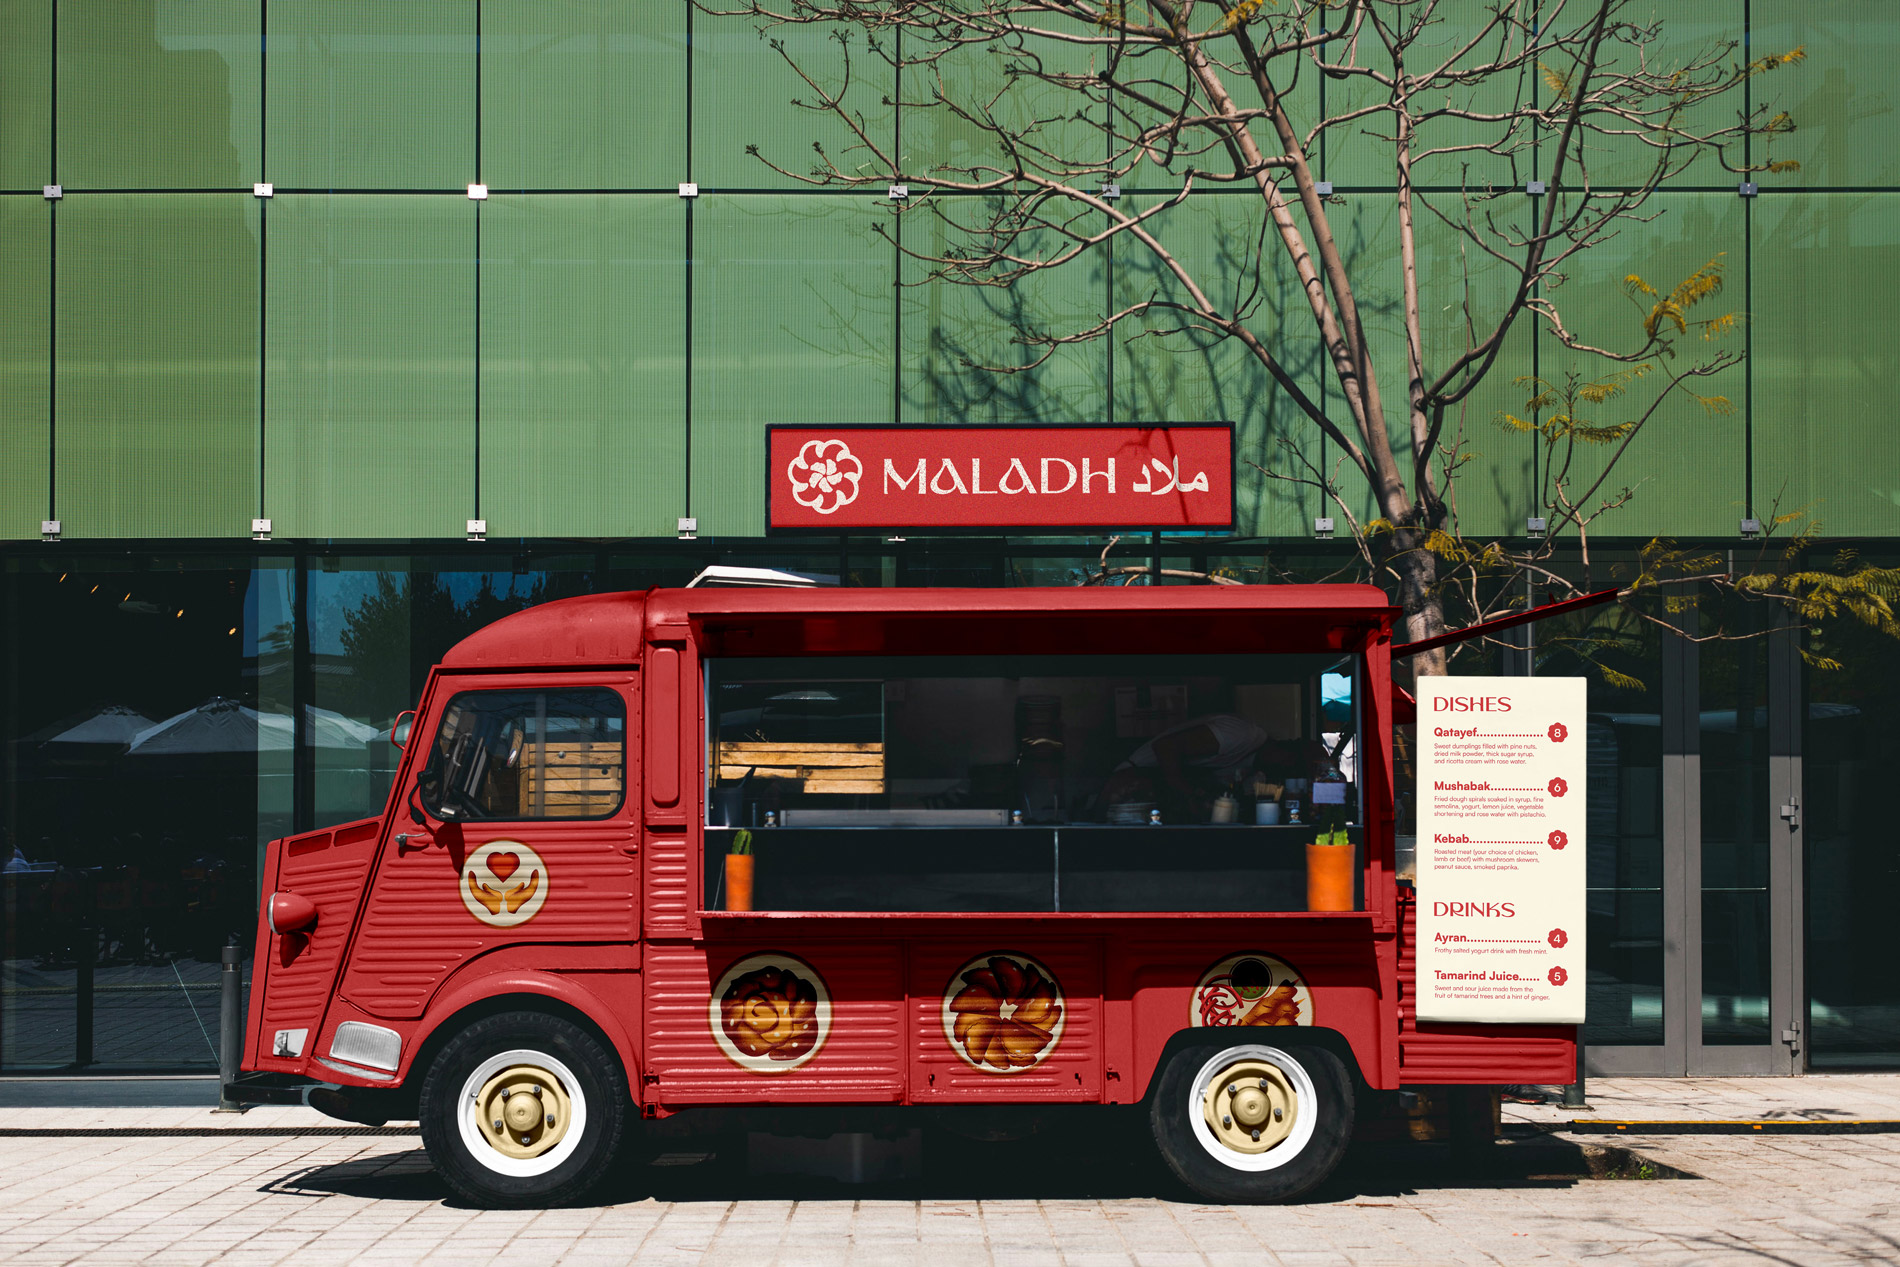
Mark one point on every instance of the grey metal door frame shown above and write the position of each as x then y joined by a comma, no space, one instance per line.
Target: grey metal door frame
1682,1051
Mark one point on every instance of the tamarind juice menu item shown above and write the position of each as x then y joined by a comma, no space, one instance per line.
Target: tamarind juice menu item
1501,908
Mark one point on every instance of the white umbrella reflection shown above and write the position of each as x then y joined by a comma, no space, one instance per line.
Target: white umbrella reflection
226,726
114,725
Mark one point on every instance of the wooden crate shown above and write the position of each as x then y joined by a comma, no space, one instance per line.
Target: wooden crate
824,768
580,778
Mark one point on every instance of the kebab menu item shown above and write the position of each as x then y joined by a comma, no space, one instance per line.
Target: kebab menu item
1501,777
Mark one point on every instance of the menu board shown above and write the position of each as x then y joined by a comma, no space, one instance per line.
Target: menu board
1501,774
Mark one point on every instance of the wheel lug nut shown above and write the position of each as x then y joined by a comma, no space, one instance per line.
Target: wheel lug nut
1256,1135
1263,1084
1276,1115
550,1119
537,1091
497,1126
524,1138
1227,1122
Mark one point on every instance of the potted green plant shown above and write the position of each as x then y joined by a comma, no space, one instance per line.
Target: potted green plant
1329,870
739,872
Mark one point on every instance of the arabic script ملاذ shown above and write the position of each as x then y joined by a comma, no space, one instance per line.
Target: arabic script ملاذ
1144,483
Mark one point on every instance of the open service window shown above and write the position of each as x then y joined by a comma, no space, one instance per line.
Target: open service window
1029,783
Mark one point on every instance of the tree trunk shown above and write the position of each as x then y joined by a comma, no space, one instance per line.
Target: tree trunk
1424,608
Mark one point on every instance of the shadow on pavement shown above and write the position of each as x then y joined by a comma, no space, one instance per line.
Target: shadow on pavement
1096,1161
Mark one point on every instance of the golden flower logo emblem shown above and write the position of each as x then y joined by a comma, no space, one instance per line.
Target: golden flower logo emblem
825,475
1250,989
770,1013
1003,1013
504,883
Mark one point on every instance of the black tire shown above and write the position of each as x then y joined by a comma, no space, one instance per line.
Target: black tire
570,1072
1303,1076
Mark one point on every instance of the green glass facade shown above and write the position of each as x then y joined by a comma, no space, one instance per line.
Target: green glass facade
369,357
586,308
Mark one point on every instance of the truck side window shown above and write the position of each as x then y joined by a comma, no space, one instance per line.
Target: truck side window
1029,782
528,754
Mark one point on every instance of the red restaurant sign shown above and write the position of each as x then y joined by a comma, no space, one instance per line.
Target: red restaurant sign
839,479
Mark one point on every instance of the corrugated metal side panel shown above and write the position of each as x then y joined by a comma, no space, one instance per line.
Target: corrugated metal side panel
1072,1070
669,884
417,929
328,868
861,1059
1441,1054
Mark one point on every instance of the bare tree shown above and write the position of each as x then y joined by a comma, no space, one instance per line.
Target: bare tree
1553,124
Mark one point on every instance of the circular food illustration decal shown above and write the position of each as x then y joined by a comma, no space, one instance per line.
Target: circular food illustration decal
1251,989
770,1012
504,883
1003,1013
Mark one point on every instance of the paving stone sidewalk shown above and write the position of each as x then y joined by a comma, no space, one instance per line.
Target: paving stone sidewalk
226,1192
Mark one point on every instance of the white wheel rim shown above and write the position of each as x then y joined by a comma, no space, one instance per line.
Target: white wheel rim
1304,1120
475,1131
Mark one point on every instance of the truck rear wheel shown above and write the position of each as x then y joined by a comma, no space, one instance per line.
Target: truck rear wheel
523,1109
1252,1123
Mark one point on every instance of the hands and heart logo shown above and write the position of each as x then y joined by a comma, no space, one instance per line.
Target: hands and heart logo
504,883
825,475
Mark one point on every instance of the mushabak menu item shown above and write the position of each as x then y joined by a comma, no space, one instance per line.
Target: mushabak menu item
1501,776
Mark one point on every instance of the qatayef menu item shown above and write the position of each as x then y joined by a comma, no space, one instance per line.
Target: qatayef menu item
1501,775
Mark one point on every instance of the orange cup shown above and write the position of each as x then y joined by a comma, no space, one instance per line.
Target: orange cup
1329,871
739,881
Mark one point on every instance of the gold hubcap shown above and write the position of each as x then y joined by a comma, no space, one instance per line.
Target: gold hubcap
523,1111
1250,1106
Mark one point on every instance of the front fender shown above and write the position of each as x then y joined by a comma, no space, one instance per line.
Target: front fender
606,993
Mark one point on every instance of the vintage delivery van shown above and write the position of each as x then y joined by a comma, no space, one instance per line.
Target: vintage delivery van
1010,848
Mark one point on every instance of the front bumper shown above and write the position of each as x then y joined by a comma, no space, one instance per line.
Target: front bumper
267,1088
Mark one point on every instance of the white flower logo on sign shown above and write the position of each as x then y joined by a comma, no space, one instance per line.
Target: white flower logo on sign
824,475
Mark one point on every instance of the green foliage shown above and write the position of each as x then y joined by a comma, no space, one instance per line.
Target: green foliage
741,842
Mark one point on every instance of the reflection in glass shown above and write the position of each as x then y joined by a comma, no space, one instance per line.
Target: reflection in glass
1621,656
1735,821
133,766
1850,749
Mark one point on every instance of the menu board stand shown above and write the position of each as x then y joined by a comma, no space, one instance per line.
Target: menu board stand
1503,764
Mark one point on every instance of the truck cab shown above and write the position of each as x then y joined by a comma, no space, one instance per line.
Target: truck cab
1008,848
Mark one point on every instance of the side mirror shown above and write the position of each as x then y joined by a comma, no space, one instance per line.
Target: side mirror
405,722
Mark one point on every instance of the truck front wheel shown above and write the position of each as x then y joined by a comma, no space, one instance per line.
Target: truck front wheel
1252,1122
523,1109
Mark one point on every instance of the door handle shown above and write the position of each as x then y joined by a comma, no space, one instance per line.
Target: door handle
403,838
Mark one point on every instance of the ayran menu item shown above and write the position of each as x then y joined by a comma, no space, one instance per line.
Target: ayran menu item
1501,909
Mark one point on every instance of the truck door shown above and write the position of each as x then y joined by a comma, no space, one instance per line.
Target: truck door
523,788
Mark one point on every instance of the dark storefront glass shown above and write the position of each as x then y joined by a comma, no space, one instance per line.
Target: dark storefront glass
144,741
1733,684
376,625
1850,749
1621,656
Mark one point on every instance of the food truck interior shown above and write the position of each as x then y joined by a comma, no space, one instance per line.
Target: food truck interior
1029,783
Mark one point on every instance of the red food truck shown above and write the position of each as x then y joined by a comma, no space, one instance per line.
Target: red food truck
938,850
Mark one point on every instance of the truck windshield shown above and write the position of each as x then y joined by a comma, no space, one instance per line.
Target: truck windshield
1059,754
